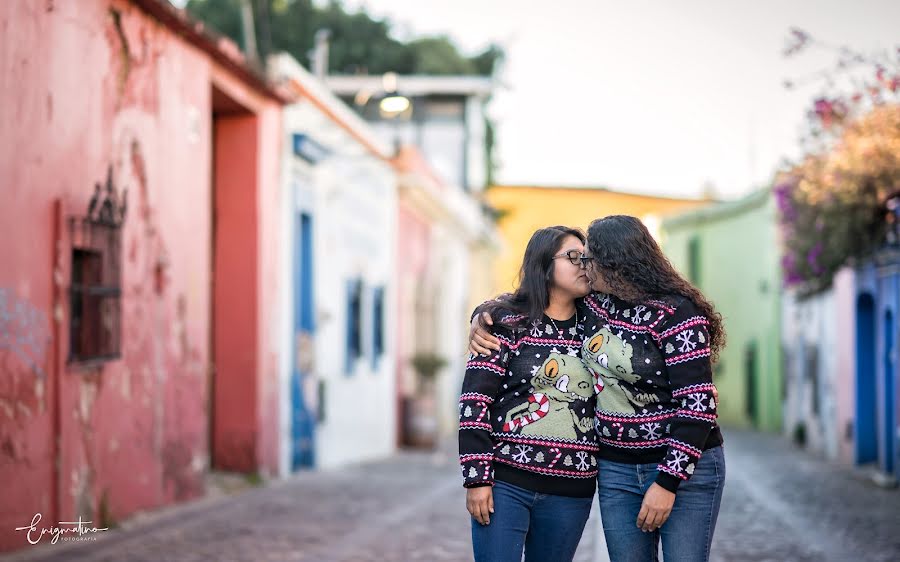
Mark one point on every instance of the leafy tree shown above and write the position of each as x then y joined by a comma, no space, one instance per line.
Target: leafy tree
223,16
359,44
437,55
835,208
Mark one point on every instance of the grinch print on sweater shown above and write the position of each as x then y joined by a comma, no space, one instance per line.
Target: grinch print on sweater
529,406
652,369
609,359
560,382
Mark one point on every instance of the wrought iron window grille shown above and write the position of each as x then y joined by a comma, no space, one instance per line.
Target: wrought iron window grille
95,285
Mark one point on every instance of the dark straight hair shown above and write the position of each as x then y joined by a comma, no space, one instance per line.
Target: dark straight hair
532,297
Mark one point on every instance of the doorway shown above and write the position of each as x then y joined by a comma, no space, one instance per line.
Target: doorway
751,370
866,406
232,377
303,394
888,397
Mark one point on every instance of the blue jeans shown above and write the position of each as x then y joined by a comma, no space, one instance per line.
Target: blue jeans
686,535
547,527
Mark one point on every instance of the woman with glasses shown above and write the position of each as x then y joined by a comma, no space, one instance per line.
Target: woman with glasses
526,439
650,340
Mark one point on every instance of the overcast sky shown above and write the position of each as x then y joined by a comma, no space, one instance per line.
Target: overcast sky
655,96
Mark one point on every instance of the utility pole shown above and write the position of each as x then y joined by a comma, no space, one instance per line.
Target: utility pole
249,31
319,58
265,30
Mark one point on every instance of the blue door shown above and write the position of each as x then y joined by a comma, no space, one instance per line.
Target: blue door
302,398
866,405
888,398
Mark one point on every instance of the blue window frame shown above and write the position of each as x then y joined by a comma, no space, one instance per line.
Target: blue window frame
377,325
354,324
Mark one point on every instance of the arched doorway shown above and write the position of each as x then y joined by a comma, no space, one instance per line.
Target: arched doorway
866,404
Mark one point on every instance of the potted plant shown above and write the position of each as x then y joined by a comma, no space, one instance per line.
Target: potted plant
427,366
422,423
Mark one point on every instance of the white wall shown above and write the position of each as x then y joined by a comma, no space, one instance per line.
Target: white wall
356,239
813,321
477,157
352,197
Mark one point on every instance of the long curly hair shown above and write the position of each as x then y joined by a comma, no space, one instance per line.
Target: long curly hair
532,296
636,270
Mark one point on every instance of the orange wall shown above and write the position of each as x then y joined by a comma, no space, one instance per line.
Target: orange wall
529,208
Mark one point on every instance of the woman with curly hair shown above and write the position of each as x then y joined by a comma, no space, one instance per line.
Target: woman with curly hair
662,468
650,341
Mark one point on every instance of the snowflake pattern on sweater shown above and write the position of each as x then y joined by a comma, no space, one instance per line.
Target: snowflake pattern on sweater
529,406
651,366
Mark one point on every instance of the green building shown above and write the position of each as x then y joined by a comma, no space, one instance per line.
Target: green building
730,251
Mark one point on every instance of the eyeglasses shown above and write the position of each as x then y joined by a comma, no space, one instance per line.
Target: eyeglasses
575,258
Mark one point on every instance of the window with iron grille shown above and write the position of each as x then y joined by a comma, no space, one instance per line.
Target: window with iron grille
95,287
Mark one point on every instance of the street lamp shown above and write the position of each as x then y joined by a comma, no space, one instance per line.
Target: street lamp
393,105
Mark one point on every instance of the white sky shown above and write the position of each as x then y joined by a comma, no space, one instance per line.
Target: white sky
652,96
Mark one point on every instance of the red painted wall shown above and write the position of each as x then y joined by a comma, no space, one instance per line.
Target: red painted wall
235,393
86,86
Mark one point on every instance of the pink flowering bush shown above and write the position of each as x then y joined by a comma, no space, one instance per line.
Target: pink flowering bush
837,208
838,205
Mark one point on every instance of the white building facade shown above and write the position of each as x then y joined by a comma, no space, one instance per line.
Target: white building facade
339,202
445,122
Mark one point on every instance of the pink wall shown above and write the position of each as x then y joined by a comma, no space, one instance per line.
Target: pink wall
413,238
845,383
89,85
268,273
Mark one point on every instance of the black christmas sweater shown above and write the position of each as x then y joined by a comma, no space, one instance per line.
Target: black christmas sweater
651,363
526,411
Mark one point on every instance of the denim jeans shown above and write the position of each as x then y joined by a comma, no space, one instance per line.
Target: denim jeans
686,535
546,526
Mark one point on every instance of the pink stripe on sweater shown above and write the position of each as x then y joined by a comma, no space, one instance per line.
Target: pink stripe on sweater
689,323
687,356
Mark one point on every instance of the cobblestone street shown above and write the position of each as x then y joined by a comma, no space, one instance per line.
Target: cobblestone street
780,504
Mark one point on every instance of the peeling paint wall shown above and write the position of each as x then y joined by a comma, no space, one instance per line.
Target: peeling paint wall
86,86
819,343
810,340
25,339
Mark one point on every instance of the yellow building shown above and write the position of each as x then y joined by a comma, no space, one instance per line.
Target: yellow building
525,209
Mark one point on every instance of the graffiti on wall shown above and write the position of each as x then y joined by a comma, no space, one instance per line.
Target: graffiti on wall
24,331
